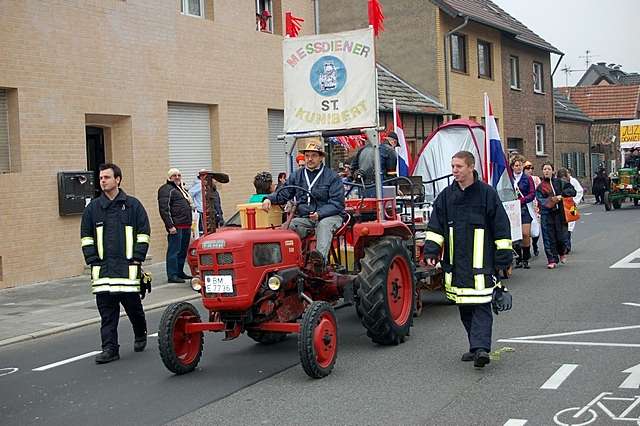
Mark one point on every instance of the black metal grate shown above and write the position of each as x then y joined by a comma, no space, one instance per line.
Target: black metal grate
225,258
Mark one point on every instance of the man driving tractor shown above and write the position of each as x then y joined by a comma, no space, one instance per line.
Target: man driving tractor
320,207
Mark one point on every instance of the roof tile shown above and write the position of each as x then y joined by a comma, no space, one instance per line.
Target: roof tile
605,102
408,99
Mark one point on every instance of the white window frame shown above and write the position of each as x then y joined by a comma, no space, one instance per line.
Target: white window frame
540,139
538,80
268,6
184,8
514,65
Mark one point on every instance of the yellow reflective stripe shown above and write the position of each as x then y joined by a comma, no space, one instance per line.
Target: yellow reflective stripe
461,291
503,244
476,300
478,281
115,288
478,248
448,276
128,236
451,246
116,281
143,238
435,237
95,272
100,241
133,272
87,241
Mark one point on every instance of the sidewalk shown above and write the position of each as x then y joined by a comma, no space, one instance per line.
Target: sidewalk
32,311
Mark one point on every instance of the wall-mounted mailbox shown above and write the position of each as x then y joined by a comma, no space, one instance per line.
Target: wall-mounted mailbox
75,191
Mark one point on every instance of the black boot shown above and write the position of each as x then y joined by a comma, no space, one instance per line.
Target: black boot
140,343
518,250
106,356
526,255
481,358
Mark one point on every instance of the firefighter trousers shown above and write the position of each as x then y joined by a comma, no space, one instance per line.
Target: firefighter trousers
478,321
109,308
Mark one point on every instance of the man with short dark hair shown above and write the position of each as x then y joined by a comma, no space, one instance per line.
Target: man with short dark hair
470,227
263,183
115,236
363,164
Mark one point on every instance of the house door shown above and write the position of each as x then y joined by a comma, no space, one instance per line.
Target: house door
95,154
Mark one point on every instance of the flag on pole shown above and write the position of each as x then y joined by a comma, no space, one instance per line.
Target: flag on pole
495,161
292,25
376,16
404,159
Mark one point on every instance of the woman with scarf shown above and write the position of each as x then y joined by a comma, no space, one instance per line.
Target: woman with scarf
535,225
526,194
554,226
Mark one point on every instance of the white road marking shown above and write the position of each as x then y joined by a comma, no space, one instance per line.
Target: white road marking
66,361
558,342
587,214
515,422
153,335
631,304
575,333
7,371
633,381
559,376
626,262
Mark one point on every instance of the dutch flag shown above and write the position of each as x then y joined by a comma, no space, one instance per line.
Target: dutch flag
404,160
495,161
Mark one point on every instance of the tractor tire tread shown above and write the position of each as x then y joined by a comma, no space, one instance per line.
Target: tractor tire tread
165,338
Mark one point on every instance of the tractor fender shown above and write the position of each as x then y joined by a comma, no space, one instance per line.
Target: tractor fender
365,232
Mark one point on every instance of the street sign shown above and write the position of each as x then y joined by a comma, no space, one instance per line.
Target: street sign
330,82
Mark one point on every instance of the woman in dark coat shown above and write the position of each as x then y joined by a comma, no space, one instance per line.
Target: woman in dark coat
554,226
526,191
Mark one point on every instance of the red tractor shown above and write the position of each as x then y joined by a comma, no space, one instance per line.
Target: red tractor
259,282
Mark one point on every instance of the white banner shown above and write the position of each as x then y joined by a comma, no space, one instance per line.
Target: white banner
330,82
513,211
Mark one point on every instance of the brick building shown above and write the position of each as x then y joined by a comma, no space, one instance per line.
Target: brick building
145,84
606,105
572,139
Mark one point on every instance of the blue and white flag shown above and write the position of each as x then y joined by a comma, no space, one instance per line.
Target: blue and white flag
404,159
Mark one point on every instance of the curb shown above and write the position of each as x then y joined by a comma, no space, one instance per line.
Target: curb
72,326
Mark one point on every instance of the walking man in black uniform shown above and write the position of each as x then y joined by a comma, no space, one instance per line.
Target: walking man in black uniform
115,235
470,227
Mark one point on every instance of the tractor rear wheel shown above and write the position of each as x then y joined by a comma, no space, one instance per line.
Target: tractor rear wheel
266,337
607,200
386,290
318,340
635,201
180,351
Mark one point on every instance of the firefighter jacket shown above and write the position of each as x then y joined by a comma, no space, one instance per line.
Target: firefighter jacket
471,229
115,235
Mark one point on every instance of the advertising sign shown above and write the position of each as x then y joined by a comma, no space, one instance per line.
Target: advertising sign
630,133
330,82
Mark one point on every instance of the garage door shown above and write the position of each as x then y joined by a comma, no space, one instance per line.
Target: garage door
189,139
277,153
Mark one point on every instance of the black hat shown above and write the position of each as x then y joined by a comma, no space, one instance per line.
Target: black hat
392,135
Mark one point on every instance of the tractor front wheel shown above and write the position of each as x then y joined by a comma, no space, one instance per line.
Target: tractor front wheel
635,201
318,340
386,290
180,351
607,200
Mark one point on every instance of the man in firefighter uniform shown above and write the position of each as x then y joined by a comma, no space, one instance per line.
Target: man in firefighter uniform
470,232
115,238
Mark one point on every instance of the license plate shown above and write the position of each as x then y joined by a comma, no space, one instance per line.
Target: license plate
218,284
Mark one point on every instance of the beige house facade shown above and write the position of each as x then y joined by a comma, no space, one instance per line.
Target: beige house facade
132,83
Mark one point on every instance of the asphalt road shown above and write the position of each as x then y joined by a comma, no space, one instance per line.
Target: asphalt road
422,381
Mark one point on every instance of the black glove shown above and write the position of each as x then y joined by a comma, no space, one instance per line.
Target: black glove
145,283
501,300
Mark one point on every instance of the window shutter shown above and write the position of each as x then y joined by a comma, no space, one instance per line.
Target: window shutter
189,139
277,153
5,153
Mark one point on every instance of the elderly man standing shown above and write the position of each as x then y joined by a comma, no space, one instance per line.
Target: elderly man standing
176,207
322,210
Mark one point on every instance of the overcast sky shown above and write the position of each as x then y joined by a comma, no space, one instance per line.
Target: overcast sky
609,29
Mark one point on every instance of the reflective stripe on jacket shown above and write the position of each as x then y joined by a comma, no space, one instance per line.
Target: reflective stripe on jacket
114,234
472,230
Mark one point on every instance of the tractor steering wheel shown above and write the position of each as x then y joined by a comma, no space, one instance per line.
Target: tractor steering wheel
313,201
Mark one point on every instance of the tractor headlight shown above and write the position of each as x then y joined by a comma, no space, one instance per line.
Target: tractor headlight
274,282
196,284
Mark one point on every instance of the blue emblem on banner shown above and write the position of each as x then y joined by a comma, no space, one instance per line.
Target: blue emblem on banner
328,76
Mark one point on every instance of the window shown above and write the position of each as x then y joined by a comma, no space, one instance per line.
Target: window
538,80
576,162
5,152
484,59
539,139
459,52
264,16
514,145
514,62
192,8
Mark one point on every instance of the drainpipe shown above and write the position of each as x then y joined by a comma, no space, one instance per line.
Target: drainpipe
590,175
316,16
446,60
553,109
